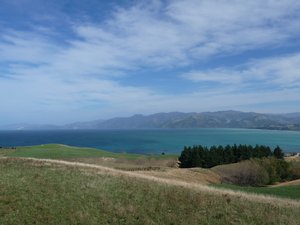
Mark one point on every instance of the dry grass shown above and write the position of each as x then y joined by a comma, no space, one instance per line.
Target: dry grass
195,175
161,168
140,163
292,158
5,151
55,192
173,182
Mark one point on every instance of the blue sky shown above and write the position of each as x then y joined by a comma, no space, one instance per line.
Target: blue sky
71,60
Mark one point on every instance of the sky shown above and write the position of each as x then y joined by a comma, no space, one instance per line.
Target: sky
63,61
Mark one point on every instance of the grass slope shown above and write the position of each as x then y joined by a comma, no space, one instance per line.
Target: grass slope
57,151
37,193
292,191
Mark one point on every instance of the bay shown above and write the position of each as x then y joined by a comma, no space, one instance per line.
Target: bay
153,141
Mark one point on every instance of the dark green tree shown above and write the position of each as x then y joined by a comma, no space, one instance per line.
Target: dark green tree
278,153
199,156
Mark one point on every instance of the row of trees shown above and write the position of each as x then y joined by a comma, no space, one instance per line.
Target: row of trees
201,156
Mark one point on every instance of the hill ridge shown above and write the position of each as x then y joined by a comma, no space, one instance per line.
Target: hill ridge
169,120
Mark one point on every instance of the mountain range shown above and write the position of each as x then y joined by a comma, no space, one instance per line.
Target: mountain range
220,119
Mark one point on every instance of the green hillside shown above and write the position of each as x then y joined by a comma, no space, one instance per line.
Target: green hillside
57,151
36,193
292,191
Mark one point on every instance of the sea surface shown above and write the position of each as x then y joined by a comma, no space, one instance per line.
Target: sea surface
153,141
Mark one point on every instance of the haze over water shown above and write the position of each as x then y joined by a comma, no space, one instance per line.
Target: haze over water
154,140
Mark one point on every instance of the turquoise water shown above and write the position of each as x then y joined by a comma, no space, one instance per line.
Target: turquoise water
152,141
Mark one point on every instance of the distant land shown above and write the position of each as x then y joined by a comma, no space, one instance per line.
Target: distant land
220,119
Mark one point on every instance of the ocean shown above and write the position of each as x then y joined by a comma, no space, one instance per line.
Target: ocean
153,141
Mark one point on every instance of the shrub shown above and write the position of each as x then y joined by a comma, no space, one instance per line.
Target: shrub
255,172
246,173
277,169
295,169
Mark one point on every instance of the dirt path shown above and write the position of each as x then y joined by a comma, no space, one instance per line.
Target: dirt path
199,176
198,187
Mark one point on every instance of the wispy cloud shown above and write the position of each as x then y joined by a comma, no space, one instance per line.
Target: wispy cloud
83,69
166,35
281,72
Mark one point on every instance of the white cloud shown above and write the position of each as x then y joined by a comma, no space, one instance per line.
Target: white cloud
184,32
25,47
281,72
80,73
160,35
234,26
218,75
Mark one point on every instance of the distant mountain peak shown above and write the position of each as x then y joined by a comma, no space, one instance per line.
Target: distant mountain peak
218,119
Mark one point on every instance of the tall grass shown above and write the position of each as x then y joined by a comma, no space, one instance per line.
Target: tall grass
38,193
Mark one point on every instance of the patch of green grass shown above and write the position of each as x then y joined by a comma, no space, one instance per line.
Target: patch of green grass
37,193
92,156
292,191
57,151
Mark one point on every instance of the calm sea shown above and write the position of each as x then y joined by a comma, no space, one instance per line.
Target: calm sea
152,141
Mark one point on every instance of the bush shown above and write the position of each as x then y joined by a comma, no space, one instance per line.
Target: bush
295,169
277,169
255,172
246,173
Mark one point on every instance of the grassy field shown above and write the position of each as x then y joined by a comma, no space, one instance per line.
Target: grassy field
93,156
41,193
292,192
59,151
